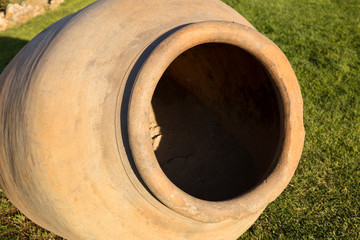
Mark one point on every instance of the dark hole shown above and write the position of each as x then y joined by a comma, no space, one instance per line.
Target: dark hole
215,122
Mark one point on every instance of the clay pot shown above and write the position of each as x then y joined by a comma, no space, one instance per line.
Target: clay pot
149,120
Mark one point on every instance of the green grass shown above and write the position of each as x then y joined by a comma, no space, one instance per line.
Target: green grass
4,3
14,225
321,39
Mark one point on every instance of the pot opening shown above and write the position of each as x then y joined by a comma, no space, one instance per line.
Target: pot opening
215,122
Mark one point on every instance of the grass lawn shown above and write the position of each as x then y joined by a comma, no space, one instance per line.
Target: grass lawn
321,39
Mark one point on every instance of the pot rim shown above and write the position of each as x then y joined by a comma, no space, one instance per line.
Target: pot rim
291,126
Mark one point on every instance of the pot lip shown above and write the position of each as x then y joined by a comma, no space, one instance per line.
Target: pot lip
291,136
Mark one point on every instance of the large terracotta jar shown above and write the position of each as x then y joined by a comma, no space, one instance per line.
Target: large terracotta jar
149,120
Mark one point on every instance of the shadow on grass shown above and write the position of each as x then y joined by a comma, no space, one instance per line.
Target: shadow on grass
9,47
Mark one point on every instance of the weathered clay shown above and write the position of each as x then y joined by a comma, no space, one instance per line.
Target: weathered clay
149,120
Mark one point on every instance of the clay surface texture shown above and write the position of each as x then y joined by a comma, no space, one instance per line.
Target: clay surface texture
173,120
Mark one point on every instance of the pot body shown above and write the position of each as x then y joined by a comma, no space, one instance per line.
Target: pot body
66,159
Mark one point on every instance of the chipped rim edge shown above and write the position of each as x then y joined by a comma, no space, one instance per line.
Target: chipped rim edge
290,104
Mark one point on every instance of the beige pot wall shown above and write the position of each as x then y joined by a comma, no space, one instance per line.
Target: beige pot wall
66,160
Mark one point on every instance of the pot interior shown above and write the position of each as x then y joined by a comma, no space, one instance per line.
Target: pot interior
215,122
